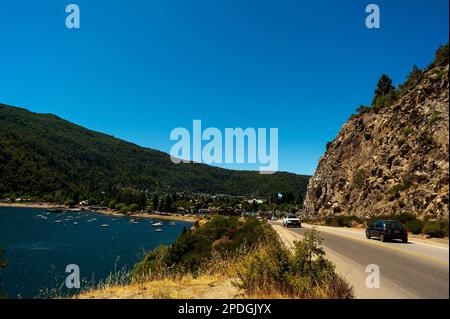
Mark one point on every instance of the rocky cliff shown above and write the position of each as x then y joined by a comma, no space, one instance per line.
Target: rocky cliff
392,161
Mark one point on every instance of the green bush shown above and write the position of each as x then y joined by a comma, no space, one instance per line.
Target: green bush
133,208
407,131
437,229
343,221
153,264
399,187
303,273
122,208
362,109
414,226
223,235
434,118
404,217
69,203
112,204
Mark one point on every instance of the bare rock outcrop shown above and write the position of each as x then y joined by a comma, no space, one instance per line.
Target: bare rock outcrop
391,162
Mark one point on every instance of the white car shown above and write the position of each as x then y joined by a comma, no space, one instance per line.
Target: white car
291,220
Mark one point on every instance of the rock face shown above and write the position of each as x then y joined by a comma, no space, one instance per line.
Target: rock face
391,162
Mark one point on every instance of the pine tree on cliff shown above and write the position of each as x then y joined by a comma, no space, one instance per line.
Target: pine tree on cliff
385,93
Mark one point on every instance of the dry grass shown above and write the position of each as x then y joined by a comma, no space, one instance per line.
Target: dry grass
225,277
186,287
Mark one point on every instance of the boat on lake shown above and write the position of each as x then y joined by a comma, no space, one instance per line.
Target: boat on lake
172,223
158,230
104,225
157,224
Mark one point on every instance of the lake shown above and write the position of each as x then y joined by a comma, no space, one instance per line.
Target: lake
39,245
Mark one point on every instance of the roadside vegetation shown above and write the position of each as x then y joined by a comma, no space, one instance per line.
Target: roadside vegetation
431,228
246,253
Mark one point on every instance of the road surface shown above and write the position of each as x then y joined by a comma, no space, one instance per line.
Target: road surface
412,270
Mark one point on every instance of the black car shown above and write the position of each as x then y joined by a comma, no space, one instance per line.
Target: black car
387,230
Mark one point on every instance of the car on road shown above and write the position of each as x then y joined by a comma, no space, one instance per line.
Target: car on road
291,220
387,230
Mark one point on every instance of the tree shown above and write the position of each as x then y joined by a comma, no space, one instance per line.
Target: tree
155,202
385,93
168,204
412,79
363,109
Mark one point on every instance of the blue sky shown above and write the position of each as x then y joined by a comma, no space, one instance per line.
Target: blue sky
138,69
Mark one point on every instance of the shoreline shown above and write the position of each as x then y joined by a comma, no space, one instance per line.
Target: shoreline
174,217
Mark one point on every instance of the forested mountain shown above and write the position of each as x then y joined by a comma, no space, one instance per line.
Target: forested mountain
41,154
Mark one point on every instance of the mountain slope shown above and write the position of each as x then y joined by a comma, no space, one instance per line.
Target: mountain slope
41,154
392,161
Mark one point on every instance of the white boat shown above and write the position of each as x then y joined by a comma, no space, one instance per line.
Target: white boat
57,221
104,225
75,223
158,230
172,224
157,224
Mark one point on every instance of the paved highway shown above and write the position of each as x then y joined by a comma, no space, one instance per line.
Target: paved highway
413,270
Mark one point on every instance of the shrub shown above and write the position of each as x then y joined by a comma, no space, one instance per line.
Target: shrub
400,142
438,229
343,221
407,131
360,178
304,273
442,56
133,208
153,265
414,226
363,109
112,204
434,118
222,235
122,208
69,203
399,187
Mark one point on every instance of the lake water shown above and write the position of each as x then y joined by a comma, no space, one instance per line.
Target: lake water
39,245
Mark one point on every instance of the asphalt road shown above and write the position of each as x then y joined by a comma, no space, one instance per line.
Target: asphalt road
412,270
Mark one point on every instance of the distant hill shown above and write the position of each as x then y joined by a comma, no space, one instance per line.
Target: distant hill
41,154
392,157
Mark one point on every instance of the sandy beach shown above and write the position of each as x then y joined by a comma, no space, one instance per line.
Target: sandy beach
175,217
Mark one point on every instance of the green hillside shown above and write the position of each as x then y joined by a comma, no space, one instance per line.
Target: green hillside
41,154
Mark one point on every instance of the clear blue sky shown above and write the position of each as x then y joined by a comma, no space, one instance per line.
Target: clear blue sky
138,69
